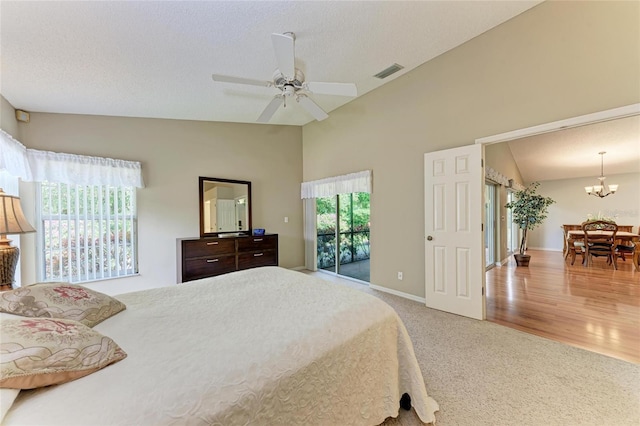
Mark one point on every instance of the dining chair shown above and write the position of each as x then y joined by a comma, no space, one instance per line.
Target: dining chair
624,248
576,245
599,240
629,248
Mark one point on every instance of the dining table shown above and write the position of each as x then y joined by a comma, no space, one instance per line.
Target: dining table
578,235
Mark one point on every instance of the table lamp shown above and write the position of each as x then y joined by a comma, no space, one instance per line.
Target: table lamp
12,221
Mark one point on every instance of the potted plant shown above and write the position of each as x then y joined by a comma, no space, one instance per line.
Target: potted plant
528,211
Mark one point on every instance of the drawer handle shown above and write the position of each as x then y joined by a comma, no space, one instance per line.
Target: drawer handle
258,254
255,240
212,260
212,244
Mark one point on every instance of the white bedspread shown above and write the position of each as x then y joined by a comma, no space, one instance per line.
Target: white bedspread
256,347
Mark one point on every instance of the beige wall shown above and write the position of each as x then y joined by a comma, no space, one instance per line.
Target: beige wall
173,154
572,205
555,61
8,121
498,156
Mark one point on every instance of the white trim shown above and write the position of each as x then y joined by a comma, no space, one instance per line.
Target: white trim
611,114
346,277
544,249
504,261
298,268
399,293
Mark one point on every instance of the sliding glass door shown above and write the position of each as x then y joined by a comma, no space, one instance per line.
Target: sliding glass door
490,224
513,232
343,234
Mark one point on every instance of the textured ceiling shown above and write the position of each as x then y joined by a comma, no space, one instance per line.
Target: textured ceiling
155,59
573,153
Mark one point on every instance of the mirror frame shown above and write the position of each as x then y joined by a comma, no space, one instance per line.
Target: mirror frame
202,180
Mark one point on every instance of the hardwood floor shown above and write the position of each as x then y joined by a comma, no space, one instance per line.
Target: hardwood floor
594,308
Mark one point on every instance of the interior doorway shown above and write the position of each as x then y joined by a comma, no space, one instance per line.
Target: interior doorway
593,308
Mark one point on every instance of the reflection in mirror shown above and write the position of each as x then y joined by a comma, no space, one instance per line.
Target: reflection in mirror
225,206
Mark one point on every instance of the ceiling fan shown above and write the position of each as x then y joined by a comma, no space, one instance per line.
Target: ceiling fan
290,81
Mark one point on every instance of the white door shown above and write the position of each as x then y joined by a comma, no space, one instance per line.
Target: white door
226,215
454,249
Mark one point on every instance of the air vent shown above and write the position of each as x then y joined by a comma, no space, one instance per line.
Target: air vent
388,71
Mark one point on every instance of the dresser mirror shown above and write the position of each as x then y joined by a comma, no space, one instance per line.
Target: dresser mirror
225,207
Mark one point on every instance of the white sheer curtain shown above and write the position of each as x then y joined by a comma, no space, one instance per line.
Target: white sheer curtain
13,157
39,166
332,186
84,170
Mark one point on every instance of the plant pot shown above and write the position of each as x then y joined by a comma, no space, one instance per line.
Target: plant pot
522,259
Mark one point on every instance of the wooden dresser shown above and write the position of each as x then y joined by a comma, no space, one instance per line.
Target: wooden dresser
207,257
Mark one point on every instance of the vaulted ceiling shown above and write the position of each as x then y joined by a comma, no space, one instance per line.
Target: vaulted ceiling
155,59
573,153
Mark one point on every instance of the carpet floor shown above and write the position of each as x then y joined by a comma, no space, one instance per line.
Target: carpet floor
482,373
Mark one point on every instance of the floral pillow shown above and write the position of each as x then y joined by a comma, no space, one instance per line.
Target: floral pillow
38,352
60,300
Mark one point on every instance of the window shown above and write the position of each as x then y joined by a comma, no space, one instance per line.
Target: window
86,232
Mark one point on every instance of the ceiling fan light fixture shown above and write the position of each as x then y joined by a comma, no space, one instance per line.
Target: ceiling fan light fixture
291,82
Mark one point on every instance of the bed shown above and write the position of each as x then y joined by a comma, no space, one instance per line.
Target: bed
261,346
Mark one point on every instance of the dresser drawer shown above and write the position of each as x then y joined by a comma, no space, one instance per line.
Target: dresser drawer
210,256
255,259
208,266
256,243
208,247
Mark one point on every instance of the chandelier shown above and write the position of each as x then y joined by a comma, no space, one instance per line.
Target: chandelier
601,190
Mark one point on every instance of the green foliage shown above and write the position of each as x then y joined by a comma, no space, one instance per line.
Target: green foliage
353,229
529,210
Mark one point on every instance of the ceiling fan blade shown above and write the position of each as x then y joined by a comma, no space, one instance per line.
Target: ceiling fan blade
240,80
312,107
283,45
270,109
340,89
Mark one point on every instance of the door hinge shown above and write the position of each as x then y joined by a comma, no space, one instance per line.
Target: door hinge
482,226
482,162
483,291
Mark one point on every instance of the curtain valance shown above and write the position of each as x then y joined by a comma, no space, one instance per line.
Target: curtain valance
13,157
330,187
39,166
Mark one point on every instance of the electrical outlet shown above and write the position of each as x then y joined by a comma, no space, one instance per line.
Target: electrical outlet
400,276
286,219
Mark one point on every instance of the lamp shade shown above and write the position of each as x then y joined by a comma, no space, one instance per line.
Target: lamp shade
12,220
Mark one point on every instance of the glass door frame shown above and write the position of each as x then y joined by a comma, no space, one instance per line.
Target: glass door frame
491,223
354,249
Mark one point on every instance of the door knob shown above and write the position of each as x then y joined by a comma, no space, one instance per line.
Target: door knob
429,238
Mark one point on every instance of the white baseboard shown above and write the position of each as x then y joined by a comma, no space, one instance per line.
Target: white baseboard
544,249
399,293
298,268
